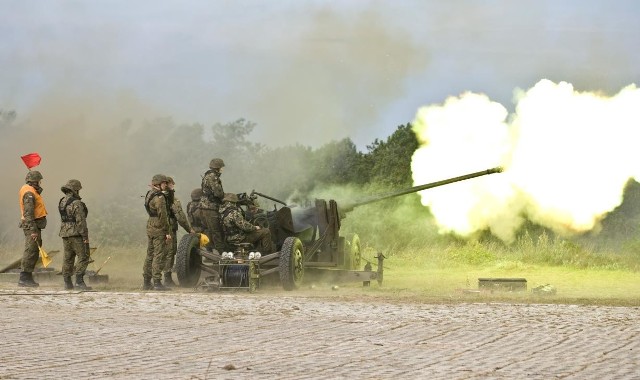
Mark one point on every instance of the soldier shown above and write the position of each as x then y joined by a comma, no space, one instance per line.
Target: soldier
212,194
159,233
74,234
33,220
194,214
176,217
238,230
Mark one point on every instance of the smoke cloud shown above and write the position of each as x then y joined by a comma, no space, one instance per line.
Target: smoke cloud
336,80
87,120
567,157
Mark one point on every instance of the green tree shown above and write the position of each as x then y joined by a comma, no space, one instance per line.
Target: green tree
390,160
283,171
232,137
340,163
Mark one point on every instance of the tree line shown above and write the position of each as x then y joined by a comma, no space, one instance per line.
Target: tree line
119,161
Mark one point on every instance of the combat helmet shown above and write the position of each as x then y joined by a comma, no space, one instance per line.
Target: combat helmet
158,179
216,163
170,180
72,185
33,176
230,197
196,194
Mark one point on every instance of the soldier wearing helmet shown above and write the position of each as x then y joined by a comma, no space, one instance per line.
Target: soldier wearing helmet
176,217
211,201
33,220
238,230
74,234
194,214
159,233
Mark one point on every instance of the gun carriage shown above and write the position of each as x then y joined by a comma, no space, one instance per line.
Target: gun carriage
307,240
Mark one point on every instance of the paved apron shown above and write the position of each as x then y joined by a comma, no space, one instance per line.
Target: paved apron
49,334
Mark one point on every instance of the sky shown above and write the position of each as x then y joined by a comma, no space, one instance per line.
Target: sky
305,72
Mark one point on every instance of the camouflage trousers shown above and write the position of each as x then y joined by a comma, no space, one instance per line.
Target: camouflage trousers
74,247
213,229
172,248
261,240
156,252
31,252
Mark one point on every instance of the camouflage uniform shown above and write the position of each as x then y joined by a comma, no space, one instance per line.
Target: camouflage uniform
238,230
194,214
176,217
74,233
158,228
33,221
210,204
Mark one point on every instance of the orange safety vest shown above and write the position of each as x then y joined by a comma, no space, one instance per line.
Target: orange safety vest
39,211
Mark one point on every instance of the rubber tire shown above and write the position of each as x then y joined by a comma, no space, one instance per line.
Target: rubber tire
188,261
292,263
355,254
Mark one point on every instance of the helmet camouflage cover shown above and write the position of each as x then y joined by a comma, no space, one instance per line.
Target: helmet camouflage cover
196,194
158,179
73,185
216,163
230,197
33,176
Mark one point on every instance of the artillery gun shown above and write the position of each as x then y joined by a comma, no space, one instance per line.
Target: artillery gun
307,241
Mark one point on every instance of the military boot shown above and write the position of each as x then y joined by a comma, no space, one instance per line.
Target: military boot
68,284
80,282
157,285
168,281
147,283
26,279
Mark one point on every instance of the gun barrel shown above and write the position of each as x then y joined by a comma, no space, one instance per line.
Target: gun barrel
268,197
415,189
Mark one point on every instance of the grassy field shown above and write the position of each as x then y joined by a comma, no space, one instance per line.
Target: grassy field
566,272
438,280
449,273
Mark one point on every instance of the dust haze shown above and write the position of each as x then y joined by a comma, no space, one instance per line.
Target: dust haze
336,79
106,138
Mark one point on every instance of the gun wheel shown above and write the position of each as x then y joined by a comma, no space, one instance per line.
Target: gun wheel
188,260
291,263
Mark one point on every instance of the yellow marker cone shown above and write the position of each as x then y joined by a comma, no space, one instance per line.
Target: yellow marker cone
204,240
46,260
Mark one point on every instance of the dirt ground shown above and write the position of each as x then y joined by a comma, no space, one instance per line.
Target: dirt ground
47,333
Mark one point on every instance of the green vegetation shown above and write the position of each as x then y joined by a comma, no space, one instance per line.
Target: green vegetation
447,270
423,263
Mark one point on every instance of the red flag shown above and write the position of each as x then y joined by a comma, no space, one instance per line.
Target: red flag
31,159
